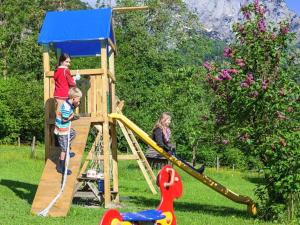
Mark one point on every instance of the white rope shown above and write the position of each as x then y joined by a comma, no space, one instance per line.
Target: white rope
45,211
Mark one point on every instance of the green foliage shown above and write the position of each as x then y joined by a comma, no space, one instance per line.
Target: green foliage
257,106
21,89
234,157
158,53
208,155
21,110
156,69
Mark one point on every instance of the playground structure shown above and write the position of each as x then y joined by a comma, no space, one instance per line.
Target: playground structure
84,33
170,186
90,33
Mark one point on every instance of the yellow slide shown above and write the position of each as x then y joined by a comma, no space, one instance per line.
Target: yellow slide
203,178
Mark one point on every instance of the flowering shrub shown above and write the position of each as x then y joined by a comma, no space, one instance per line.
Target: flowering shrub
257,106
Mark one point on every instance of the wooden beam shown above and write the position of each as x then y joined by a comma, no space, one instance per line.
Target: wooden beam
114,145
106,136
46,64
120,157
127,9
111,76
120,105
82,72
90,154
112,45
140,163
47,102
111,70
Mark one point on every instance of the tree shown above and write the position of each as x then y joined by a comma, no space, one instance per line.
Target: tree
257,106
157,70
21,88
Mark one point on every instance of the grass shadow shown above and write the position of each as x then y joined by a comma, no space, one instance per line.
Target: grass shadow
23,190
195,207
255,180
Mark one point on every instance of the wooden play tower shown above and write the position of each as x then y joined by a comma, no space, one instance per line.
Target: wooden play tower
84,33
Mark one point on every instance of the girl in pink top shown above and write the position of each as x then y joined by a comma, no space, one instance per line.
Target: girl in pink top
63,79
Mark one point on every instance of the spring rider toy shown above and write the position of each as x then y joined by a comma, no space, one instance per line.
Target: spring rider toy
170,186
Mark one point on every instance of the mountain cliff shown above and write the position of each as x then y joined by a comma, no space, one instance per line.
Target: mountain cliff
217,16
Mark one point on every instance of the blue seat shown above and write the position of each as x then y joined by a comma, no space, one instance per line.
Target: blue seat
143,216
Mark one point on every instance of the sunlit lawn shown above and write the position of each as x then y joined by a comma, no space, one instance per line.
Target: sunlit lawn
20,176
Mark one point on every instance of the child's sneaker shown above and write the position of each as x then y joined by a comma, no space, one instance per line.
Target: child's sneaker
201,169
61,168
75,117
71,154
62,171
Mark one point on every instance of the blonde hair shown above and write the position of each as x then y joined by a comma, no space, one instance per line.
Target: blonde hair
75,92
160,122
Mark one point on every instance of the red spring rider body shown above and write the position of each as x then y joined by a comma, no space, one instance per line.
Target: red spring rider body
170,186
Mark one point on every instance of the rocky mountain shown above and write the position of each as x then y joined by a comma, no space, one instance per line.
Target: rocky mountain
217,16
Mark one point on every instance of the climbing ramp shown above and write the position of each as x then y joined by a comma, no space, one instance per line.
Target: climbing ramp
51,181
241,199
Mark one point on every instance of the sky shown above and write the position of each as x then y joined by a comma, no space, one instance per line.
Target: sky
294,5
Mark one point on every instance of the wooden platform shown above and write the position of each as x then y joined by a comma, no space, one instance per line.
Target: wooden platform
50,182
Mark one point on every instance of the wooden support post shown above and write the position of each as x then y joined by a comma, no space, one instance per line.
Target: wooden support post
47,102
106,150
92,97
114,146
33,155
218,163
46,64
92,150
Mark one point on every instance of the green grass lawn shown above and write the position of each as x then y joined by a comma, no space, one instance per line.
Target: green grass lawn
19,178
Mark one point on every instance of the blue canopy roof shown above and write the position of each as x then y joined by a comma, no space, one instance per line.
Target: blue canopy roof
77,32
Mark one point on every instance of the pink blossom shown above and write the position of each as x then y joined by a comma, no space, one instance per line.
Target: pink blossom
284,29
261,25
261,11
256,5
227,52
241,28
244,85
225,142
244,137
249,79
208,66
218,78
233,71
265,85
224,75
254,94
240,62
247,14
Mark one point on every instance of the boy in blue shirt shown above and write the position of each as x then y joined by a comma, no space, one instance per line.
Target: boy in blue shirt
64,116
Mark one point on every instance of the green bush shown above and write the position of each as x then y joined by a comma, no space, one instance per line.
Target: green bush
21,109
208,156
234,156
